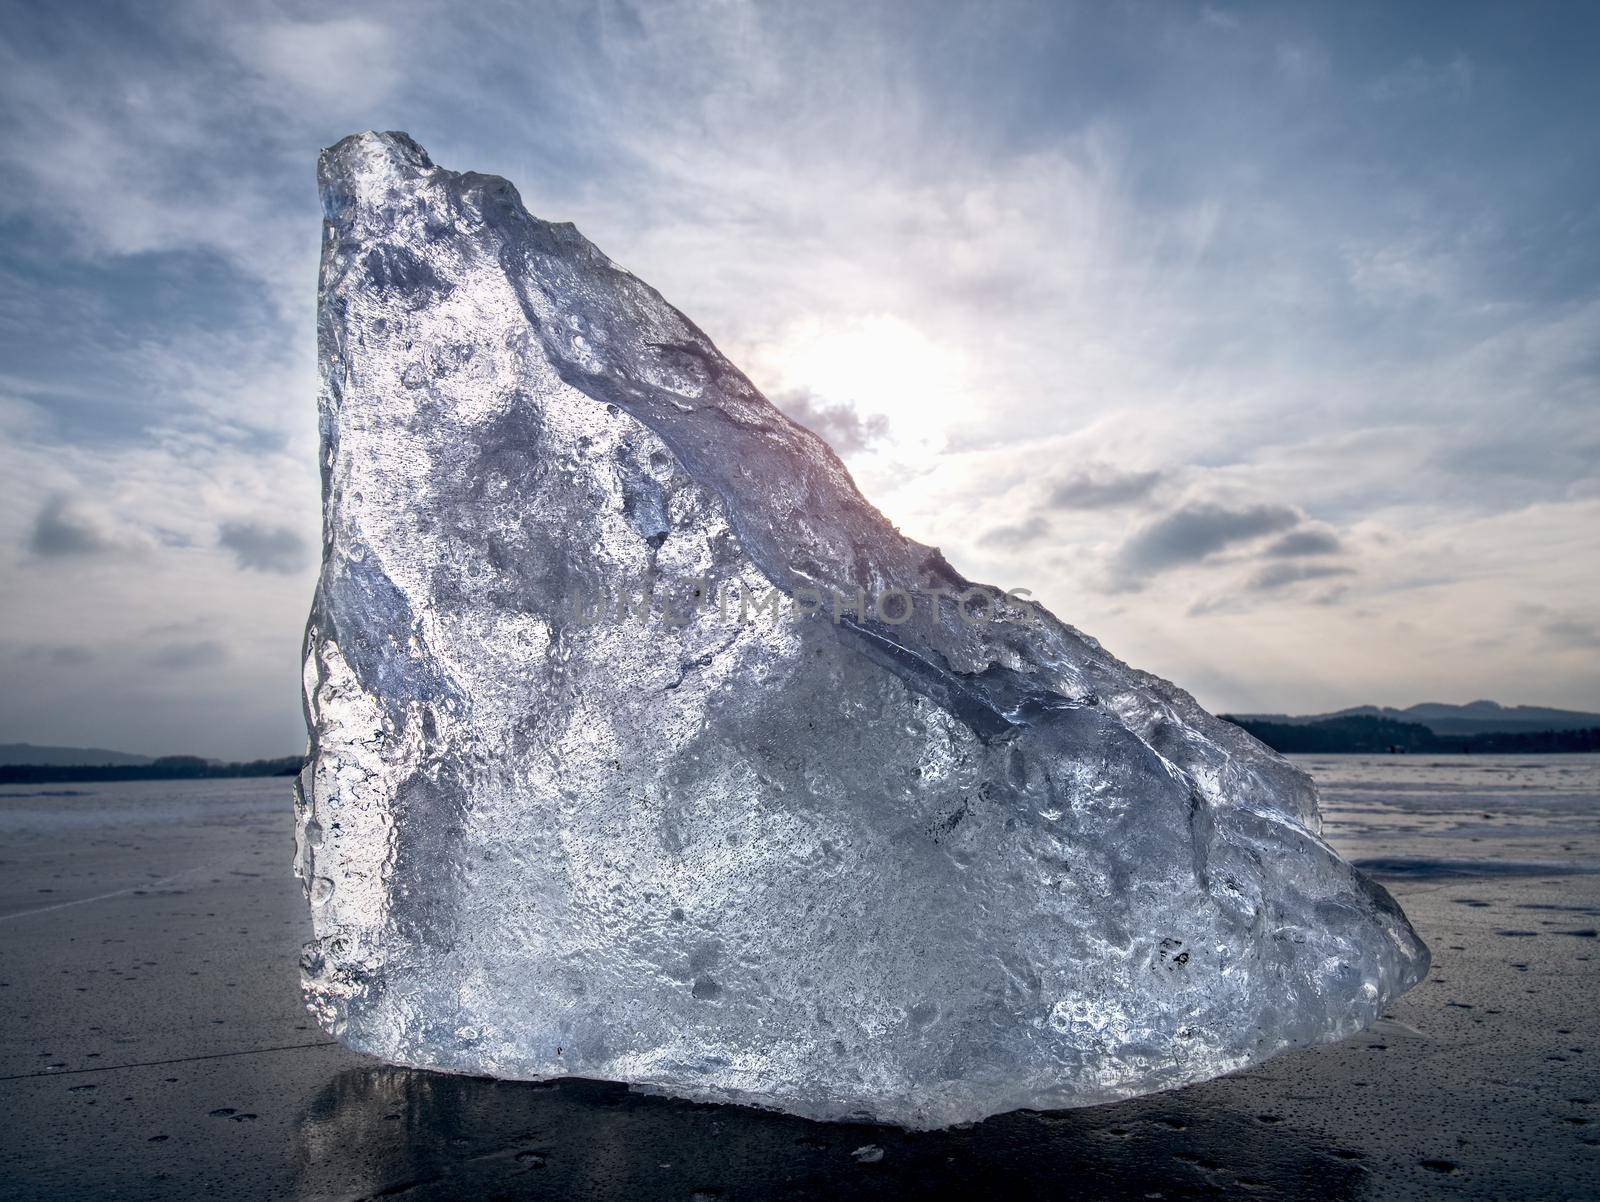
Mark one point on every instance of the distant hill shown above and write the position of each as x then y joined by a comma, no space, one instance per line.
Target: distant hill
167,767
1366,732
34,753
1474,718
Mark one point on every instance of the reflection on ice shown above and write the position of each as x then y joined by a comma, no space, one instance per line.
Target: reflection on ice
387,1131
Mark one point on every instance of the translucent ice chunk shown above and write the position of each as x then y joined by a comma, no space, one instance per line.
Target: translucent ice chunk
629,761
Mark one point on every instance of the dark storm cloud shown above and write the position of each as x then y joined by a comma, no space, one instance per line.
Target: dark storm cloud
59,530
1196,531
1101,486
259,547
1310,541
840,426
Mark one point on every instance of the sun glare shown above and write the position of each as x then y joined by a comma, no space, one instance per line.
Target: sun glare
880,365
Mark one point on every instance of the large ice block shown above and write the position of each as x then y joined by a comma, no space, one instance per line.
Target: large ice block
644,748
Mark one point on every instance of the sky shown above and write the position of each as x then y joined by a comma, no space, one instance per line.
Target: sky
1260,341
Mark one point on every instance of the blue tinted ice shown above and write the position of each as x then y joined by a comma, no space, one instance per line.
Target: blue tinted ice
722,845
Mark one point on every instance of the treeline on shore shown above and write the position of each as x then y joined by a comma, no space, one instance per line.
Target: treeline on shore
1362,733
167,767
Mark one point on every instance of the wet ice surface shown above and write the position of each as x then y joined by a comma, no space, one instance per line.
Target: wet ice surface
127,1077
1499,813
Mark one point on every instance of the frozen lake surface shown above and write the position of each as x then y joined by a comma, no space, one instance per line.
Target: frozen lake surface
152,1042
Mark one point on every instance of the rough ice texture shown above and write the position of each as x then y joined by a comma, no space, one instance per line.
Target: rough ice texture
921,873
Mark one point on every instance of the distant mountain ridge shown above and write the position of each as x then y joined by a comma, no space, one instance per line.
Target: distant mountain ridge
34,763
67,757
1474,718
1368,733
166,767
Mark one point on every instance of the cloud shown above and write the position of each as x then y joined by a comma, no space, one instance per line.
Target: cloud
61,531
838,425
63,655
1101,486
1017,535
1276,576
1270,580
343,62
1301,66
1572,632
259,547
1399,274
181,657
1418,78
1194,532
1309,540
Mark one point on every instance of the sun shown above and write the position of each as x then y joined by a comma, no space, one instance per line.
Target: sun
880,365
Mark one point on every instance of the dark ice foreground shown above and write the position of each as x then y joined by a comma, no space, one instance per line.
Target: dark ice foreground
153,1045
